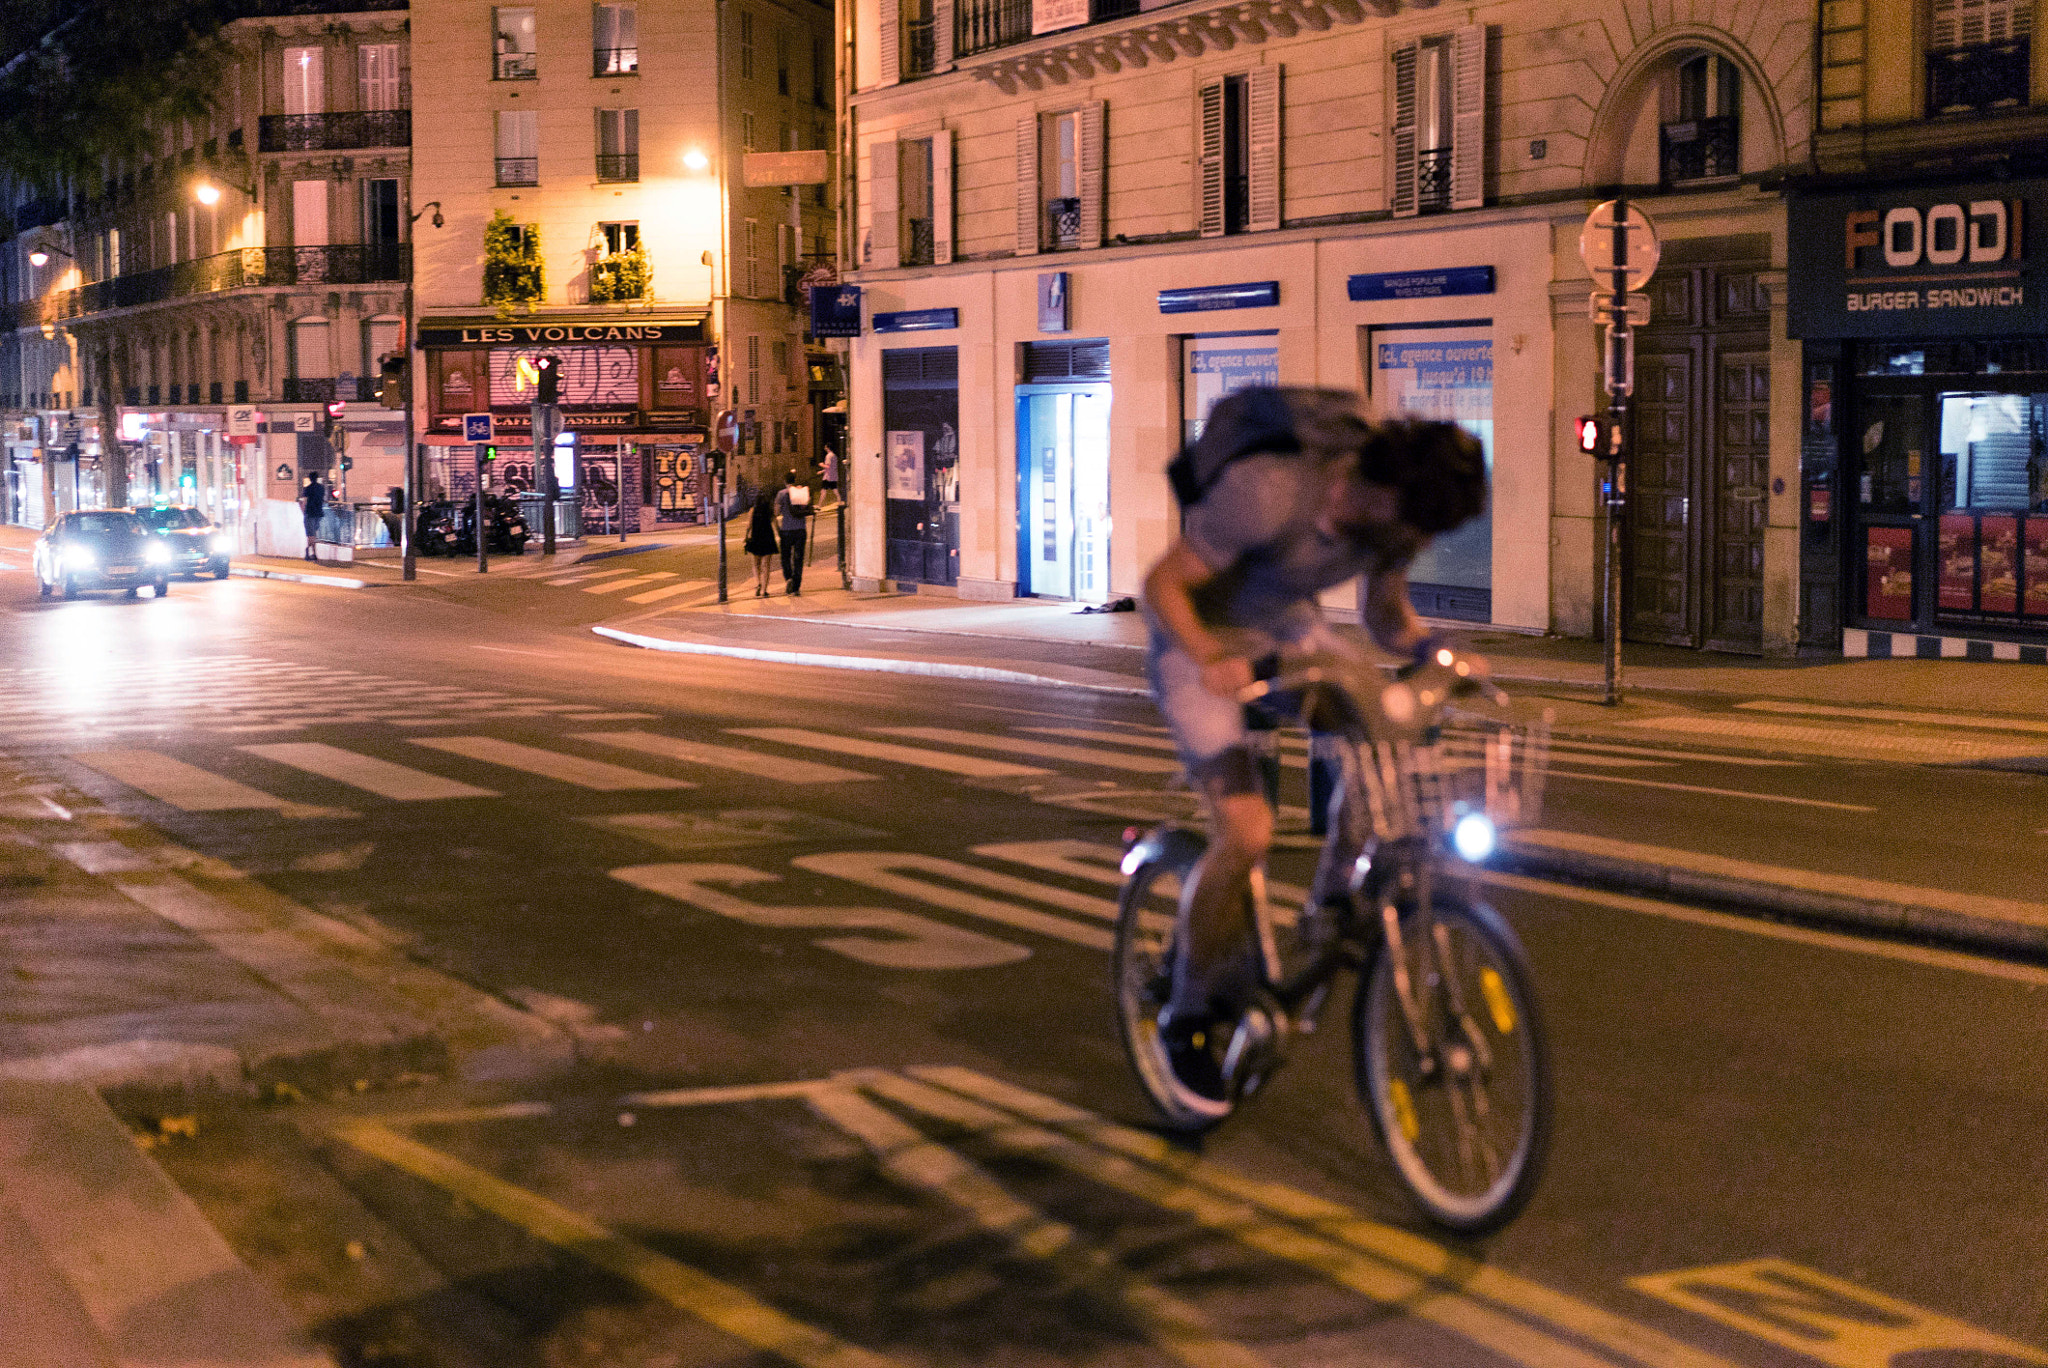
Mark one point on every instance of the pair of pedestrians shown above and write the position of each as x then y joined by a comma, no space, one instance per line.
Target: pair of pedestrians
783,518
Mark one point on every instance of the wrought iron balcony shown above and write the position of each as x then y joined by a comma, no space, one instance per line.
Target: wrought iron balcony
919,56
979,25
618,166
623,61
245,268
1975,80
335,132
1699,149
1433,179
519,171
919,243
308,390
1063,216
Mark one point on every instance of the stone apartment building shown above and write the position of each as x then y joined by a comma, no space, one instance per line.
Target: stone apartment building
1079,222
256,257
609,143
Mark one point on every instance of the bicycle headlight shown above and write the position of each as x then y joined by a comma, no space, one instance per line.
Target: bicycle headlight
1474,837
157,553
79,556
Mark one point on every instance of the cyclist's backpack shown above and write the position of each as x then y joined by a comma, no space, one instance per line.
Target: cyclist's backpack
1267,420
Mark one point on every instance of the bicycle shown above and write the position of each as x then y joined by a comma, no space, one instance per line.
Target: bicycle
1447,1044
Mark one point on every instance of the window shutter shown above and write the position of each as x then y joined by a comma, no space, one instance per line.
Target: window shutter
942,197
1209,159
1030,211
1468,117
1401,168
942,35
1946,24
1262,98
885,193
1091,185
891,44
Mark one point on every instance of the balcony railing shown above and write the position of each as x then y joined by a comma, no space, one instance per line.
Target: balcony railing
516,66
519,171
1699,149
335,132
918,53
623,61
1433,179
245,268
1063,218
1972,80
979,25
618,166
919,246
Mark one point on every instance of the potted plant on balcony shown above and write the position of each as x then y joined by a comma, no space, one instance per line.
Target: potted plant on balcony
512,264
622,275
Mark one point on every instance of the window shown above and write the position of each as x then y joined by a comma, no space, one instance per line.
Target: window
309,213
305,86
1239,185
1977,55
781,61
779,353
749,140
1703,141
619,237
615,40
380,226
519,147
618,144
820,64
746,46
916,36
754,369
1438,123
512,44
911,202
312,354
1059,180
171,238
752,253
377,76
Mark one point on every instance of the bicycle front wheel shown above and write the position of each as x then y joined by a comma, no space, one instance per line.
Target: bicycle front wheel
1142,962
1460,1096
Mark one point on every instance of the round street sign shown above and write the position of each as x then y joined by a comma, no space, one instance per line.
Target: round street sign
725,432
1596,246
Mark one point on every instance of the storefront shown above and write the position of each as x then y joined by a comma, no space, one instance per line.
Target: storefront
1925,458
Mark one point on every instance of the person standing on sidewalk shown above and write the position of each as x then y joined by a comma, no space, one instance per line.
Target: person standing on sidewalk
760,543
792,513
313,503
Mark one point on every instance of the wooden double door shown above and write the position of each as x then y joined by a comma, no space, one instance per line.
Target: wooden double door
1699,477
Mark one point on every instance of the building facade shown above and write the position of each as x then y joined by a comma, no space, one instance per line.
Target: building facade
588,168
1925,406
253,259
1079,225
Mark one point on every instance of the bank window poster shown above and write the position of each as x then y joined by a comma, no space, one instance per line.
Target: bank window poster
1444,374
592,377
1212,367
905,457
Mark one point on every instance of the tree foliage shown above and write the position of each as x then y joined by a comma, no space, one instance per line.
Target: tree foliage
512,264
622,275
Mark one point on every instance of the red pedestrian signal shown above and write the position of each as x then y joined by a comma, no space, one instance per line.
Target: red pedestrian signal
1590,435
548,379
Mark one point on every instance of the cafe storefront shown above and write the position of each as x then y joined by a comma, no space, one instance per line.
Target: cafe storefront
1924,457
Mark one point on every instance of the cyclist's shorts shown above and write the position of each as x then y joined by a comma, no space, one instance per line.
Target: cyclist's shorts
1208,731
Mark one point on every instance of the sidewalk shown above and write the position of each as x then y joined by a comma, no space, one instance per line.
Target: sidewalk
1904,709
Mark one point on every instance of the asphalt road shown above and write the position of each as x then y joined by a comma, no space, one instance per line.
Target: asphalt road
1773,1147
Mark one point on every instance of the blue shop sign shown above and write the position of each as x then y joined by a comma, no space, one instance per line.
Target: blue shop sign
835,311
917,320
1256,294
1452,280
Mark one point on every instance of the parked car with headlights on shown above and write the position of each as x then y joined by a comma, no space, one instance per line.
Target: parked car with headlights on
196,544
103,549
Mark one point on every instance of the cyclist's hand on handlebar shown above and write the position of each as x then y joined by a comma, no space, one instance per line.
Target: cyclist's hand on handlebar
1227,676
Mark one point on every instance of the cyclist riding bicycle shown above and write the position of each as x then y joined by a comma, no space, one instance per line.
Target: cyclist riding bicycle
1288,492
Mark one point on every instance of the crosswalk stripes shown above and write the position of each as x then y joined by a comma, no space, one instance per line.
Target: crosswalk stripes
613,586
1039,750
570,769
777,767
972,766
399,783
172,781
668,591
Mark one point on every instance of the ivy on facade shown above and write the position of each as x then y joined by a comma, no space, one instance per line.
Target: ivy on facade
621,275
512,266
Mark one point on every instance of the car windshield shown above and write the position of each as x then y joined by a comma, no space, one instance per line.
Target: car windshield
168,519
105,524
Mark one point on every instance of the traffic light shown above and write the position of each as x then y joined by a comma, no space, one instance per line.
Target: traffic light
547,379
1592,435
487,454
391,389
331,423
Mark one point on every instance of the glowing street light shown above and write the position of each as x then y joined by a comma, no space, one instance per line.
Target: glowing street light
207,193
695,160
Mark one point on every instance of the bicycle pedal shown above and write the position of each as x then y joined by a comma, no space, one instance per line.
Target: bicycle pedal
1258,1046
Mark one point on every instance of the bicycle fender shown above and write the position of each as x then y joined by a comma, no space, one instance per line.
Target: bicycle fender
1176,847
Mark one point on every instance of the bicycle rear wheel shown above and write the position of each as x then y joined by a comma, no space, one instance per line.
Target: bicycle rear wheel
1466,1117
1142,962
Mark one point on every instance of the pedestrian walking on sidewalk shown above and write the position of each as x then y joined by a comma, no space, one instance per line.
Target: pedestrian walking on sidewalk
792,516
313,503
760,543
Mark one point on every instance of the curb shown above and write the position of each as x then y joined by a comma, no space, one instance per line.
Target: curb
330,581
1893,919
877,664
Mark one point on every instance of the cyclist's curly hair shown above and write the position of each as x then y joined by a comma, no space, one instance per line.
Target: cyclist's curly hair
1439,468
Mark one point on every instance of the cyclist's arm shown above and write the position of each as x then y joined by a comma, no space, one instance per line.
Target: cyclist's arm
1389,617
1169,593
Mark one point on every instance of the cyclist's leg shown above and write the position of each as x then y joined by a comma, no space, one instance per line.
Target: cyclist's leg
1213,961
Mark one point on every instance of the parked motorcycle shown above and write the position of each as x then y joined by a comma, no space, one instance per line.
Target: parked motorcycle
447,527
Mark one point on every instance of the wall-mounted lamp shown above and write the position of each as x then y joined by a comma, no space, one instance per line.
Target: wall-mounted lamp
208,194
40,255
695,160
434,205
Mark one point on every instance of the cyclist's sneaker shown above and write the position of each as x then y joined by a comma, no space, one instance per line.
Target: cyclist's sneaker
1194,1042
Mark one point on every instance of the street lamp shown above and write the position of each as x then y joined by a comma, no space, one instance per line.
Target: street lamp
208,194
40,256
695,160
407,552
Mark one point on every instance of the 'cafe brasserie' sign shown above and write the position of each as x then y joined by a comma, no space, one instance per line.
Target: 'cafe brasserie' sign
1948,262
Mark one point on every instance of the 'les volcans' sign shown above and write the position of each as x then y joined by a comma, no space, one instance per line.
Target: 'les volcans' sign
1942,262
538,334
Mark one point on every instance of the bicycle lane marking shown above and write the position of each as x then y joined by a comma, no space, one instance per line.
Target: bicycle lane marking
1825,1318
1495,1309
687,1289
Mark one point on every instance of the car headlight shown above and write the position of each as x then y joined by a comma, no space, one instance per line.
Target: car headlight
157,553
80,557
222,543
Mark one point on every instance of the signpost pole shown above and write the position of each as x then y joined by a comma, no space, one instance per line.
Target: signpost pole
544,476
845,491
725,440
1621,344
483,563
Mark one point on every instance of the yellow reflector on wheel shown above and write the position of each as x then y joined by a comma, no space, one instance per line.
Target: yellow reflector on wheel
1497,1002
1404,1109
